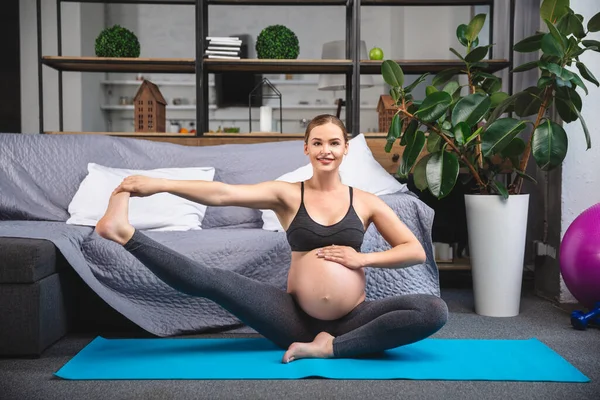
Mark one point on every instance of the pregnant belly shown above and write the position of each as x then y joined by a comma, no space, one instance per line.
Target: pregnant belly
325,289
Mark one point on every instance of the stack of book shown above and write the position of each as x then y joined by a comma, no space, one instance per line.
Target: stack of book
223,47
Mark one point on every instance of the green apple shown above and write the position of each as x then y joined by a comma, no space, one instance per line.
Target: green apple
376,54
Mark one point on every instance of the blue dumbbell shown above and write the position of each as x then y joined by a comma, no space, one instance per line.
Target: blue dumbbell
580,321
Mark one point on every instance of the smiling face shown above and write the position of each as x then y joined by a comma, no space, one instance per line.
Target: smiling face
326,146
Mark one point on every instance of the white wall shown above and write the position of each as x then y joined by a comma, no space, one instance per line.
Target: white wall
580,173
168,31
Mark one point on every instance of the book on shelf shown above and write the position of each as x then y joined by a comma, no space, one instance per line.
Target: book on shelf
223,53
223,47
224,38
227,57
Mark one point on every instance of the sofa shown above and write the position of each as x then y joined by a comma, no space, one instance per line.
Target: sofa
58,276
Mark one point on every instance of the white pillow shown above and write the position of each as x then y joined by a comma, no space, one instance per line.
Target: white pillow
160,212
359,169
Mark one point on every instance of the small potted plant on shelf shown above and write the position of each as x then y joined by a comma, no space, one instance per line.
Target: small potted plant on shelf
466,127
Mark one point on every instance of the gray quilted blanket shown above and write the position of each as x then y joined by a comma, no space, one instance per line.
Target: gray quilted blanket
39,175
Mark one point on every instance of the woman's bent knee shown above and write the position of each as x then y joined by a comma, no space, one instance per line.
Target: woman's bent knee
435,312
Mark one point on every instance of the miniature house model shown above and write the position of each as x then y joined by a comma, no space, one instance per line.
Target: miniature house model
149,106
386,109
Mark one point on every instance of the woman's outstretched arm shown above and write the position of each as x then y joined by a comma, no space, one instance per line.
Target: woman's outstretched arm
264,195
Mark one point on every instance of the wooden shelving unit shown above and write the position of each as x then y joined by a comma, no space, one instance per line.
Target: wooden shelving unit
352,66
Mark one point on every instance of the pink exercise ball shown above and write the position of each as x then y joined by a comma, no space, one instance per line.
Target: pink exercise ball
580,257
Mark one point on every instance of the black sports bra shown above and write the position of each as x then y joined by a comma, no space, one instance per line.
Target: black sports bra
304,234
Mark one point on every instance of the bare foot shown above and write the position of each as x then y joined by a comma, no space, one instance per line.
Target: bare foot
320,347
114,225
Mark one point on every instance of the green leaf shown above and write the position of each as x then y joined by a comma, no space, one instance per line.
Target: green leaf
560,39
471,109
442,171
410,130
559,71
587,75
395,95
529,102
388,146
524,175
588,140
492,85
420,173
563,83
529,44
497,98
500,188
593,24
434,142
516,147
392,73
570,24
474,27
451,87
430,89
461,132
549,145
415,141
434,106
551,46
474,135
413,85
499,134
502,107
444,76
544,81
591,44
395,129
527,66
457,54
553,10
578,30
477,54
577,81
461,32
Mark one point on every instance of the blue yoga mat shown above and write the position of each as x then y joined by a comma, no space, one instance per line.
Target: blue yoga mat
440,359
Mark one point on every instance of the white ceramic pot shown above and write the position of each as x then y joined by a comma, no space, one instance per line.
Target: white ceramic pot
497,230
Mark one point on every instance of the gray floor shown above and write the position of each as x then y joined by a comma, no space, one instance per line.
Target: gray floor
33,379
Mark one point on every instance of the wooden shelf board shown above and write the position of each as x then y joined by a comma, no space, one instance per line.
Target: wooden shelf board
187,65
267,66
101,64
432,66
460,264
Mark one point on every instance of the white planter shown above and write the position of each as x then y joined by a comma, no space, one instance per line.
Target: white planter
497,230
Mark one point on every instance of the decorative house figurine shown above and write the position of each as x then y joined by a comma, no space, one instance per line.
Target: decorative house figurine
149,106
386,110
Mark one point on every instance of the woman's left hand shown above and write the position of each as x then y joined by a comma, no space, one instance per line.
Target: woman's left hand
344,255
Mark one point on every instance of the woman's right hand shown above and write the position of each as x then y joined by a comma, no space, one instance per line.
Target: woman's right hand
140,186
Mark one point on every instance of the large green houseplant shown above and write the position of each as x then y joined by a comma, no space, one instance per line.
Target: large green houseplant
470,126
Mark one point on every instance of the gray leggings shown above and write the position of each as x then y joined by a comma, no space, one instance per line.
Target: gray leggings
371,327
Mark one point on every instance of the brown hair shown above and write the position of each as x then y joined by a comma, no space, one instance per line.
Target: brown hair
322,120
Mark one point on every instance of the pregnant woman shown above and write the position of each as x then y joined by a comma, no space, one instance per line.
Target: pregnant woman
323,313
